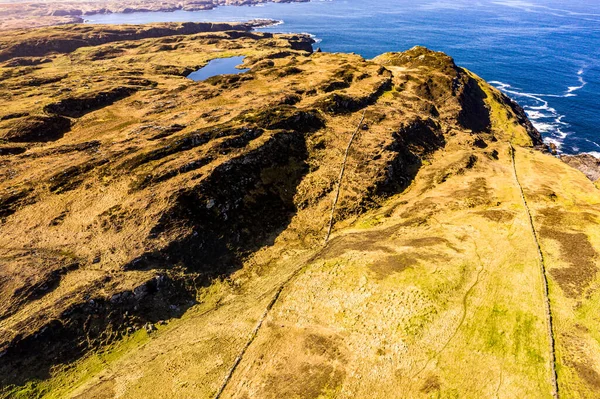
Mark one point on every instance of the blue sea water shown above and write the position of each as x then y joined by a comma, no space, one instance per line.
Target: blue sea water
543,53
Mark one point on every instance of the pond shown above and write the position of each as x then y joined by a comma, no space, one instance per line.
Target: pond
218,66
543,53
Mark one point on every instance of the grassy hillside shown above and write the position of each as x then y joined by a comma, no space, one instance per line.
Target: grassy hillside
162,237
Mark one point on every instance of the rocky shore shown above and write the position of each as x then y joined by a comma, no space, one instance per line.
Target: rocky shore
588,164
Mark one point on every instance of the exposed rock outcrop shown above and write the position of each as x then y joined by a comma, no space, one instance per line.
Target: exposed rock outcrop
588,164
75,107
36,128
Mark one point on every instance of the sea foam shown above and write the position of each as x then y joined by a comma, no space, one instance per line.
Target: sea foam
543,116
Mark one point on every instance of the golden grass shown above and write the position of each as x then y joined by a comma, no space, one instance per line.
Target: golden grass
432,292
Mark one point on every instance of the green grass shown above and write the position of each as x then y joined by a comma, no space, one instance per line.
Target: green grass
369,222
66,380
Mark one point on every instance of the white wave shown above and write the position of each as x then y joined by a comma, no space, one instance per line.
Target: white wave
591,142
559,120
515,92
543,127
276,22
535,114
575,88
593,153
507,88
543,116
500,85
544,107
550,140
582,84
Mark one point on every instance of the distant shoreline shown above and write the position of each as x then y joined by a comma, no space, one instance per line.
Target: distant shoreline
39,14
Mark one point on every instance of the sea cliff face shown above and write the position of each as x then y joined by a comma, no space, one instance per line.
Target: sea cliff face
320,226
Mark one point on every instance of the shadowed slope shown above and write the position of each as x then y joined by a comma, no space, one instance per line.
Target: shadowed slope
205,200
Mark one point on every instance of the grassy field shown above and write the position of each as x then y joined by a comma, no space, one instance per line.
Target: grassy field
431,285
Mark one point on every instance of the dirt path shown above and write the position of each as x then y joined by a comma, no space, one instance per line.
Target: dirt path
465,300
296,273
254,333
339,183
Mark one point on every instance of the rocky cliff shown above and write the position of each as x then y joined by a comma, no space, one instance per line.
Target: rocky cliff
588,164
320,226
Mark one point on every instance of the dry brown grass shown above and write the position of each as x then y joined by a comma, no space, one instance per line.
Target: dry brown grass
431,274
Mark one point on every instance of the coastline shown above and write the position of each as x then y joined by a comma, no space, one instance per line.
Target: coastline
49,42
37,14
74,12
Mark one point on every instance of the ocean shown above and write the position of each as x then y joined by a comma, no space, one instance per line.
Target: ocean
543,53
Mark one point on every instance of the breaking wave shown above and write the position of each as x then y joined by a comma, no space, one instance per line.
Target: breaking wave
544,117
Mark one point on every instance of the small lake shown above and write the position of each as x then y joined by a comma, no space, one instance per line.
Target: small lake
218,66
543,53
